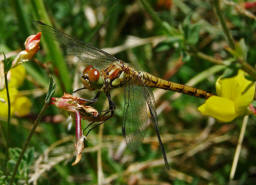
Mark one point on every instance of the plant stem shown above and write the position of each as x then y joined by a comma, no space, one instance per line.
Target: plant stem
223,24
36,122
208,58
238,148
8,120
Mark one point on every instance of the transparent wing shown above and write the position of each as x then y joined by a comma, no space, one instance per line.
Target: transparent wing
148,95
135,116
86,53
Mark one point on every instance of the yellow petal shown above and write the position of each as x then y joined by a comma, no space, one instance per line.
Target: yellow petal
229,87
234,89
18,75
22,106
4,104
1,75
220,108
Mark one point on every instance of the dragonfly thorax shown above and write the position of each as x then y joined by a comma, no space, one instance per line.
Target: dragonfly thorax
92,78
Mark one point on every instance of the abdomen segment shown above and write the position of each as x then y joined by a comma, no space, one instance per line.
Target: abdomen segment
153,81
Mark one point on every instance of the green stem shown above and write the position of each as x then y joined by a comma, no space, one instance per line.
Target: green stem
230,39
208,58
8,120
36,122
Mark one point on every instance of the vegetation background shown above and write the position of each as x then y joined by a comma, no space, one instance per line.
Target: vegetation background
178,40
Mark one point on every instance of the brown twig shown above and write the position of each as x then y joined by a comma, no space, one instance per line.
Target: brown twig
179,63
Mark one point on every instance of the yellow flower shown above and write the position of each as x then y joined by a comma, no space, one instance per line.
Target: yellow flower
19,105
3,101
22,106
233,98
17,76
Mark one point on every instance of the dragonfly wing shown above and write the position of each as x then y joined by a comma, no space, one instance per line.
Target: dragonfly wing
148,95
86,53
134,116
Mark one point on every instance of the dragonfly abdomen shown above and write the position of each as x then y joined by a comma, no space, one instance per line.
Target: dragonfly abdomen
153,81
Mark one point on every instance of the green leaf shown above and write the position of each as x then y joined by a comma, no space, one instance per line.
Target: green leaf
3,179
170,42
191,31
193,35
241,49
163,46
51,91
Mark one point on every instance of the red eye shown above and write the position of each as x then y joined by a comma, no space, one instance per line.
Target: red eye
87,69
93,75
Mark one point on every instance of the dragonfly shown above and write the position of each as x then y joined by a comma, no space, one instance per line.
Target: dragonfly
103,72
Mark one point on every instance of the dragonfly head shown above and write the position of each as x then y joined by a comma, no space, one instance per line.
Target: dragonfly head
91,78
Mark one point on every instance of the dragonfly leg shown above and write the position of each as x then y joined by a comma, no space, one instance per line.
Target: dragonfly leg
95,98
78,90
110,110
91,101
111,105
89,125
93,127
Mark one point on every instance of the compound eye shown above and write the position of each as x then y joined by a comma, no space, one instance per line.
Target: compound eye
87,69
93,75
85,77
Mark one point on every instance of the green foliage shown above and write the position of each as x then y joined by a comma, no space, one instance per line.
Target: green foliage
26,162
51,90
180,182
24,168
191,31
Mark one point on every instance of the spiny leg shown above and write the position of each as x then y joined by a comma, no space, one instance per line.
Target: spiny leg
111,105
95,98
110,110
90,101
82,88
93,128
89,125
